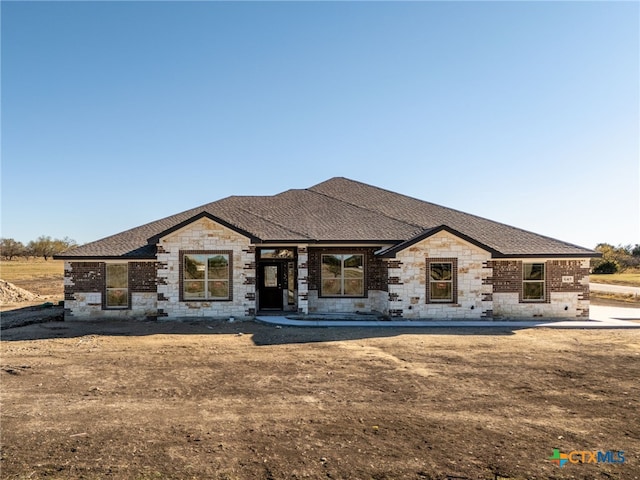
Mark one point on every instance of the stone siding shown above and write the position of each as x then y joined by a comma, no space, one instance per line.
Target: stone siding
206,235
379,301
483,288
372,303
303,279
408,280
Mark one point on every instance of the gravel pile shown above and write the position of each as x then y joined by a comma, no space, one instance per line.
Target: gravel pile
9,293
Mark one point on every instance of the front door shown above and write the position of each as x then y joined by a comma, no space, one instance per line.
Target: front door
271,286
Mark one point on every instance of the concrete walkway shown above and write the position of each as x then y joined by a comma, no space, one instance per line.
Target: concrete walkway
601,317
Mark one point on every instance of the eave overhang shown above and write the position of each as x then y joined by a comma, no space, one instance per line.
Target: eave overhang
156,238
391,252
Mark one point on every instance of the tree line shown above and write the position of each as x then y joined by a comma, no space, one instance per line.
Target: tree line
43,246
616,259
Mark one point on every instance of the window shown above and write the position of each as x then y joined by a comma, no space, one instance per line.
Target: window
117,295
533,281
206,276
276,253
342,275
291,283
441,282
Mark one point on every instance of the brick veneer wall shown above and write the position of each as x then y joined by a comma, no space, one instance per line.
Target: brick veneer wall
577,269
375,269
507,276
142,276
375,279
83,277
562,299
90,277
84,289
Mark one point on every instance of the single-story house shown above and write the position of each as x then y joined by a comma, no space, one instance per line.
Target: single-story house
338,247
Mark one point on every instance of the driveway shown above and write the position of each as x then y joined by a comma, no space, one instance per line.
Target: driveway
605,313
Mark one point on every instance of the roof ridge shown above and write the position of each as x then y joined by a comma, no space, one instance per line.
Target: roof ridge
418,227
446,208
303,235
406,196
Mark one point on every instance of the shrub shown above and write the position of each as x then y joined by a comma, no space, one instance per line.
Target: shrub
606,267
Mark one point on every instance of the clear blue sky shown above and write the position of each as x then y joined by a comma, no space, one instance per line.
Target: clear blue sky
115,114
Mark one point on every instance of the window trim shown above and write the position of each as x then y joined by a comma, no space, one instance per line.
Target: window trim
543,281
342,295
208,253
454,281
105,301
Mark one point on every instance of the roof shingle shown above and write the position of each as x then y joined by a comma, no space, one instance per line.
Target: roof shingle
338,209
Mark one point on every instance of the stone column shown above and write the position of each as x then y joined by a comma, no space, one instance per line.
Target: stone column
303,279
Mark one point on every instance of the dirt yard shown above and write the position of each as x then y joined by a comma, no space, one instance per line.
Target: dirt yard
250,401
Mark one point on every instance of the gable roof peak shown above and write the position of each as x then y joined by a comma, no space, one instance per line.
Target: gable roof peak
338,209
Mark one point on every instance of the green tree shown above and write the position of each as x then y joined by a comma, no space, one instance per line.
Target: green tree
622,257
10,248
41,247
64,244
45,246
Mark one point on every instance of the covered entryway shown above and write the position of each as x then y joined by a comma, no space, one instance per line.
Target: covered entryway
271,286
276,279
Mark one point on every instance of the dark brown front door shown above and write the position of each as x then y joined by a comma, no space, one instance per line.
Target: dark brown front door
271,286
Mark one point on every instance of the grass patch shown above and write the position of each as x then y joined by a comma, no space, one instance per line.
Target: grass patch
20,270
630,279
628,299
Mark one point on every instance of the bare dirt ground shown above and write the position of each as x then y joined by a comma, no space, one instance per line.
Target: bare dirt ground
242,401
249,401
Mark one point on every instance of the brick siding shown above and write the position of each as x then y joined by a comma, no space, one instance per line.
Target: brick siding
571,268
89,277
86,277
142,277
375,271
507,277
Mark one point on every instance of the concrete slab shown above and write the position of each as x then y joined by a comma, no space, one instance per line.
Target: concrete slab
600,317
600,312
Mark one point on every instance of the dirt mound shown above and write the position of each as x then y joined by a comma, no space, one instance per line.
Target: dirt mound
9,293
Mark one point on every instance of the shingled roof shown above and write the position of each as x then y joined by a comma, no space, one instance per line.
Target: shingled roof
337,210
